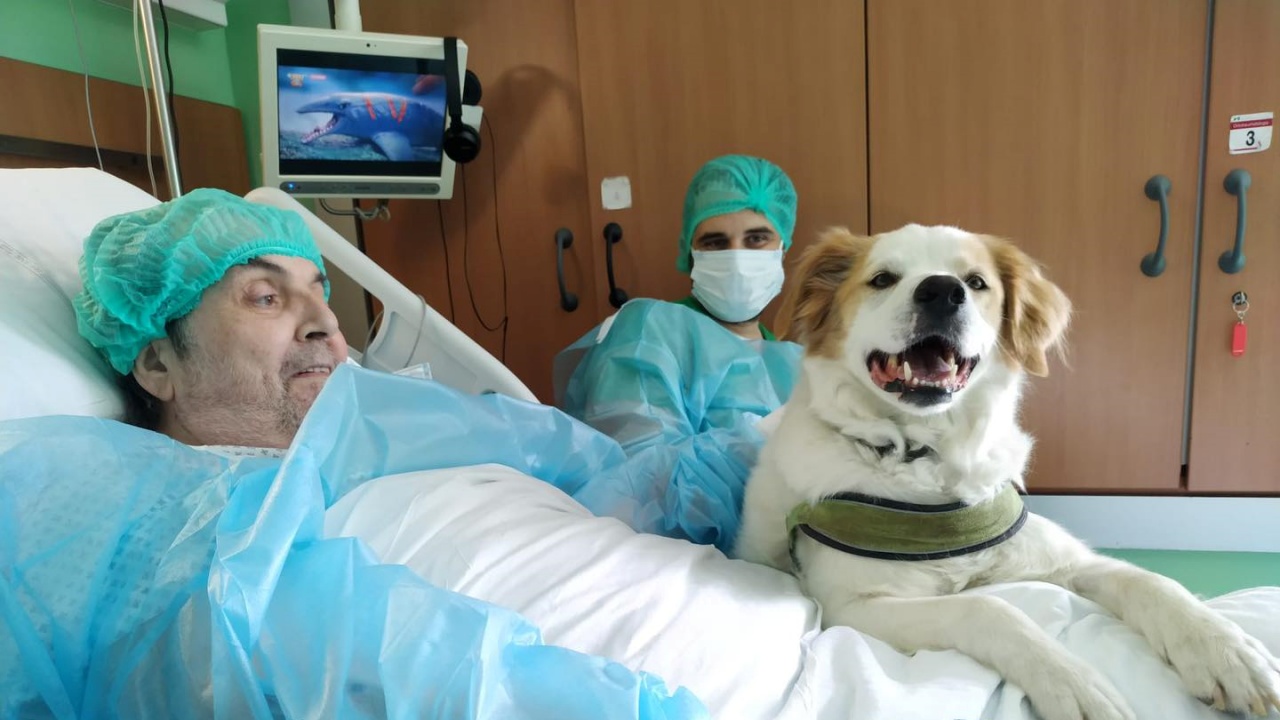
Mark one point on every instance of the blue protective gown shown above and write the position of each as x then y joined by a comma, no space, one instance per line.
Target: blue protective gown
664,373
142,578
666,377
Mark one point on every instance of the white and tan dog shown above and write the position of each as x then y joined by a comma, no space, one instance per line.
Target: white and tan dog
918,342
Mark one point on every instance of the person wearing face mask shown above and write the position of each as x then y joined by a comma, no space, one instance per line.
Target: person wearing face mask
739,215
699,373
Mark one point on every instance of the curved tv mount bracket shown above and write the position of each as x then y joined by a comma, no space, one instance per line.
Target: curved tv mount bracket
381,210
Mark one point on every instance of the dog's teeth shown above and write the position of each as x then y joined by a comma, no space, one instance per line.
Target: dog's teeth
891,366
951,373
906,371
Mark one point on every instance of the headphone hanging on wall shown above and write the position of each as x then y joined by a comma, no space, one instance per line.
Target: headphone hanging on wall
461,141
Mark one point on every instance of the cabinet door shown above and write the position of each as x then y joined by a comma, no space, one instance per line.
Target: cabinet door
670,84
525,57
1041,121
1236,405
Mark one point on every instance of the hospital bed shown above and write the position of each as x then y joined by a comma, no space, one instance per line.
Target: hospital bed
409,333
741,638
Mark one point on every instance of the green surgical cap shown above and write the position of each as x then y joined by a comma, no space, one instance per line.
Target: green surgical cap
731,183
143,269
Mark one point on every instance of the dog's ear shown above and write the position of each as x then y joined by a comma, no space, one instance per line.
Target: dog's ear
1036,312
810,309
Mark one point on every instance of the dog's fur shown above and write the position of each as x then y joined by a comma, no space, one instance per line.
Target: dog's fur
1011,325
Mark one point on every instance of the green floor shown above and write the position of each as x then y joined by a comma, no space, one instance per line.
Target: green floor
1208,574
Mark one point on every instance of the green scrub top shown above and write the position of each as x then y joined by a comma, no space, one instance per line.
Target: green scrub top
692,303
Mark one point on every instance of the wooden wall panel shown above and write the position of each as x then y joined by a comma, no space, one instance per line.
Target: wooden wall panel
47,104
669,84
525,56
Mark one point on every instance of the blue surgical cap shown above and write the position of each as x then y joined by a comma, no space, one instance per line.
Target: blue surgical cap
144,269
731,183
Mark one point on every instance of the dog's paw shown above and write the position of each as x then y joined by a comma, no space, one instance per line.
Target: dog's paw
1074,691
1223,666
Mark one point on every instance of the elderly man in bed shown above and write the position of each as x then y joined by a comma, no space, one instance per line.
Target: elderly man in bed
215,313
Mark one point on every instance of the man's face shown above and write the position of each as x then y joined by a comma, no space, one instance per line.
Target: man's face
741,230
255,354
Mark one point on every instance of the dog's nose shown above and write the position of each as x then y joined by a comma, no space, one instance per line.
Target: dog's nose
940,295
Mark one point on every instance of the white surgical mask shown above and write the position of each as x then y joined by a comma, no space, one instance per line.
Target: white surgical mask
735,285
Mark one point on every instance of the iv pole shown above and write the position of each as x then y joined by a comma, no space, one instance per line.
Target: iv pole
162,99
347,17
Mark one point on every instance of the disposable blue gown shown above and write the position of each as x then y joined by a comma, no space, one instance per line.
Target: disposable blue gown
142,578
666,376
664,373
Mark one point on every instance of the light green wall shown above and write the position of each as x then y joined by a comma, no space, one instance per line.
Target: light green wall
218,65
41,32
1208,574
243,18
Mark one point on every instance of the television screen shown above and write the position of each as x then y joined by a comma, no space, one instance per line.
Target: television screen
349,114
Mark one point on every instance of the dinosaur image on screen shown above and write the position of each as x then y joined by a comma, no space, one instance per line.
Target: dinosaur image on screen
331,114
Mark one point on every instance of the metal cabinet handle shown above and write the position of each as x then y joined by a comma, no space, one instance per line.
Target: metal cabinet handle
613,236
1237,183
1157,189
564,240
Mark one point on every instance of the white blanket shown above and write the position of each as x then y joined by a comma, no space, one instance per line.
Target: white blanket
740,636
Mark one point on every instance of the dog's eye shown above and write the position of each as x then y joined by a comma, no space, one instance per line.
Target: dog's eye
976,282
883,280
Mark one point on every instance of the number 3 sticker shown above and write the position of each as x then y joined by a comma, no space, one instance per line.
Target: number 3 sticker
1250,133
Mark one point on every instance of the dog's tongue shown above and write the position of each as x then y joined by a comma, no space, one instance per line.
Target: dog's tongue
927,363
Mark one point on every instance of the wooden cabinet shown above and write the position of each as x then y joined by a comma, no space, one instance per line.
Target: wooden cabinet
1042,121
1039,120
1235,406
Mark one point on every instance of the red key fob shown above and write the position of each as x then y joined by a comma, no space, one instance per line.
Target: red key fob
1239,336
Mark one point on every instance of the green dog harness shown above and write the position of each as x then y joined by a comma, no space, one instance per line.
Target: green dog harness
890,530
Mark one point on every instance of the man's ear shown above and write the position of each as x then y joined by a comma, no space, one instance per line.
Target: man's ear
810,311
151,369
1036,312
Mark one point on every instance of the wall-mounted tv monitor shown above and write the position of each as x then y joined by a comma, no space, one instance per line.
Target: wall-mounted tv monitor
354,114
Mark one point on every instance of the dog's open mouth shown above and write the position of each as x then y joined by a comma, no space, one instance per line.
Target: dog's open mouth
932,367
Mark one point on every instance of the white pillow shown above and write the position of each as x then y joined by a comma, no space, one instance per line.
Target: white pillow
734,633
46,368
741,637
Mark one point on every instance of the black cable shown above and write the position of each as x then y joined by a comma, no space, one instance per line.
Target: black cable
369,316
448,279
466,271
173,114
497,229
